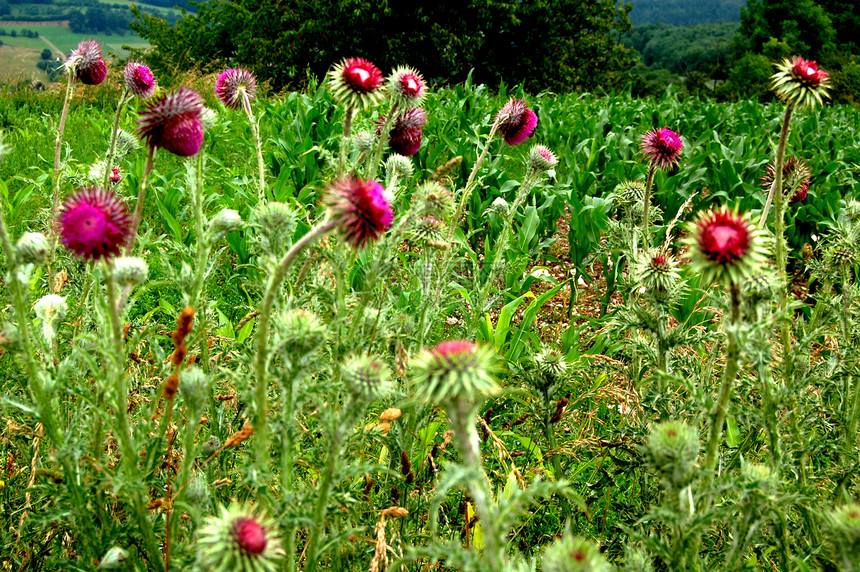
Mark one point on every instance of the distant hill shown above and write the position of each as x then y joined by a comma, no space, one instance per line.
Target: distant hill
685,12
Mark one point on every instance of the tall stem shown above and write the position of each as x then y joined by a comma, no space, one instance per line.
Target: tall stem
123,99
138,208
383,140
258,145
549,431
779,232
261,358
55,200
344,141
467,190
646,205
718,414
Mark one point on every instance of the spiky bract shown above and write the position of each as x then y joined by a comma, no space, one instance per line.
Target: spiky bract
238,539
139,80
796,176
361,209
94,223
542,159
366,378
173,122
662,147
456,369
87,63
407,86
234,85
355,83
516,122
800,82
672,449
724,244
657,272
432,199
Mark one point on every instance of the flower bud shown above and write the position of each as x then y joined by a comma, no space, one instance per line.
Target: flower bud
574,554
845,527
194,386
366,378
542,160
130,271
239,538
197,492
275,223
227,220
399,167
551,367
209,446
456,369
50,309
672,449
32,247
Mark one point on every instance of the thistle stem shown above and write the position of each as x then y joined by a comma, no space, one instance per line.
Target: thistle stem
55,200
382,141
344,142
549,431
258,145
646,205
123,99
261,357
138,208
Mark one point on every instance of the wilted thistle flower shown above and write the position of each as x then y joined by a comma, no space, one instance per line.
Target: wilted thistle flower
407,86
795,177
173,122
574,554
87,63
662,147
227,220
724,243
234,85
32,247
672,449
94,223
657,272
432,199
456,369
516,122
542,160
239,539
139,80
361,209
355,83
405,134
129,271
398,166
800,82
366,378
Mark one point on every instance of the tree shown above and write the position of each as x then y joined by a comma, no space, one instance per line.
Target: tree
502,40
46,54
803,24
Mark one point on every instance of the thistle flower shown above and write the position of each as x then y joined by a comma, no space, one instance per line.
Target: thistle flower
456,369
361,209
724,243
234,85
672,449
662,147
139,80
355,82
574,554
407,86
239,539
87,63
516,122
367,379
800,82
404,136
115,175
796,176
94,223
173,122
542,160
32,247
657,272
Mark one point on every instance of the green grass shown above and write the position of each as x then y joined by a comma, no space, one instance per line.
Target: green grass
68,40
20,63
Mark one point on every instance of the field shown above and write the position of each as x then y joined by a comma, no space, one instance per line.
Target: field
510,355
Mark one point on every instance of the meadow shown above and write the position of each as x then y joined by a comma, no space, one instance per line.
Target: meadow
525,368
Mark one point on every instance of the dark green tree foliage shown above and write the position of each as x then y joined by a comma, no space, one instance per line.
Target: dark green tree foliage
683,49
802,24
685,12
549,44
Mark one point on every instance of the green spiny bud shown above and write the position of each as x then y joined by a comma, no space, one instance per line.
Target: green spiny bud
194,387
542,160
456,369
672,449
399,167
366,378
208,118
130,271
32,247
197,492
657,273
301,334
498,207
574,554
364,142
432,199
239,538
50,309
275,223
759,286
227,220
209,446
551,367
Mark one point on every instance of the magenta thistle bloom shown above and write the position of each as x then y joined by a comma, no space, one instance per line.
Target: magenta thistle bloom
516,122
239,539
234,85
249,535
94,223
404,137
361,209
407,85
173,122
115,175
355,83
662,147
725,243
87,62
799,81
796,176
139,80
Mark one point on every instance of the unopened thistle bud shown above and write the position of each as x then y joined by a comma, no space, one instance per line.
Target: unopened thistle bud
842,249
432,199
574,554
240,538
366,378
760,286
275,223
551,367
657,272
51,310
301,333
194,387
130,271
197,493
498,207
398,167
796,176
672,449
456,369
800,82
226,221
430,231
209,446
542,160
32,247
114,559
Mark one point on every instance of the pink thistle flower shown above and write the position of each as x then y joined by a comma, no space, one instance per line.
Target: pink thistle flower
404,137
542,159
796,176
516,122
662,147
94,223
806,71
355,83
455,369
115,176
234,85
87,62
800,82
407,85
139,80
249,535
361,209
173,122
725,243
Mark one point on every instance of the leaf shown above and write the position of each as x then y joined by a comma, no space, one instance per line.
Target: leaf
504,322
733,434
246,330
